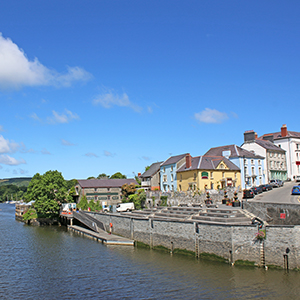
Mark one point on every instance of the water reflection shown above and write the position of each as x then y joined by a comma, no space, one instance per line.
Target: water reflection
50,262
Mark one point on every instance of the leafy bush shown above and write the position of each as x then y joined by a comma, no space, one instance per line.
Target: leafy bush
30,214
164,200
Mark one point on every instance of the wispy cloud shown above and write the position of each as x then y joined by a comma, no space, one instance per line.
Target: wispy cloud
67,143
45,151
211,116
11,161
63,117
57,118
107,153
110,99
16,70
145,157
90,154
1,128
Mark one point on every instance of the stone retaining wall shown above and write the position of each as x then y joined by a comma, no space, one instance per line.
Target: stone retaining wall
227,241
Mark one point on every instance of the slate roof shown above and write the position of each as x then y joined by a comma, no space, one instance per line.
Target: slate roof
105,183
235,150
277,135
268,145
207,162
154,168
173,159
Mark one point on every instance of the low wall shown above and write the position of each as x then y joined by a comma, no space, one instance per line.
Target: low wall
275,213
229,242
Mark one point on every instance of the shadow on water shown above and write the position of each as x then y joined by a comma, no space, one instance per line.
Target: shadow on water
50,262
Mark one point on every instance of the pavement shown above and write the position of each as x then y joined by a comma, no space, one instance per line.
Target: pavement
278,195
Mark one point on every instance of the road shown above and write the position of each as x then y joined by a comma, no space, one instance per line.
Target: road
278,195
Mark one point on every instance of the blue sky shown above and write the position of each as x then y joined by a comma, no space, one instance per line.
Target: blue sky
90,87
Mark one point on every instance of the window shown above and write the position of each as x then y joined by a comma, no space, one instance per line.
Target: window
222,166
297,146
246,171
245,161
259,171
211,175
165,178
164,169
172,177
195,176
95,189
252,161
171,168
279,145
223,174
297,156
180,187
180,177
259,162
253,171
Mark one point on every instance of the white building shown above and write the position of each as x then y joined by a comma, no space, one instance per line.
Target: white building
290,142
275,156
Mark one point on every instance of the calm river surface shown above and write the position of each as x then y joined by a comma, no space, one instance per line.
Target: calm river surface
51,263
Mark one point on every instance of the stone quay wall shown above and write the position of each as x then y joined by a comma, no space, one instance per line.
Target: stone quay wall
275,213
230,242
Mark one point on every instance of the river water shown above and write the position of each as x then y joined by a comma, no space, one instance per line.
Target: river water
50,263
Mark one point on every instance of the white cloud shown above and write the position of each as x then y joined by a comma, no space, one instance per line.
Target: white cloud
107,153
35,117
67,143
150,110
211,116
90,154
8,160
109,99
1,128
16,70
45,151
8,147
145,157
62,118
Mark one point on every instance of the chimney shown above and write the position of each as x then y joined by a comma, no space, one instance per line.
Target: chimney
284,130
139,174
249,136
255,134
188,161
268,137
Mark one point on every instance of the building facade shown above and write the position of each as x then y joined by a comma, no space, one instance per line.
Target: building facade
103,190
252,166
150,179
275,157
290,142
168,175
208,173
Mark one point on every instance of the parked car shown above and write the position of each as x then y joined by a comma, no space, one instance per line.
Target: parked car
263,187
248,194
297,178
276,183
269,187
296,190
256,190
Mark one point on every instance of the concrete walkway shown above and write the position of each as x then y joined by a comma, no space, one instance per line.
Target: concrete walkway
102,236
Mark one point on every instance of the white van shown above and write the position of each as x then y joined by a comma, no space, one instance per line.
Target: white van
125,207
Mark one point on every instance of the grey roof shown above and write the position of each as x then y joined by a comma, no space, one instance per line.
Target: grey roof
269,145
154,168
207,162
99,183
235,151
173,159
277,135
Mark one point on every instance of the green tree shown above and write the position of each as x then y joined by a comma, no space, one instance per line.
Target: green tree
83,203
91,177
127,189
118,175
98,206
48,191
103,176
91,205
147,168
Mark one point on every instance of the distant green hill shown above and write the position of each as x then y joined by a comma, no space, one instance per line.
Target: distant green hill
21,181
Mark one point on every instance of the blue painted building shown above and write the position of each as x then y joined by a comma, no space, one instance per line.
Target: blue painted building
252,166
168,175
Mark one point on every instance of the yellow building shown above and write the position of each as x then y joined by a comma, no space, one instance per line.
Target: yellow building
207,172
